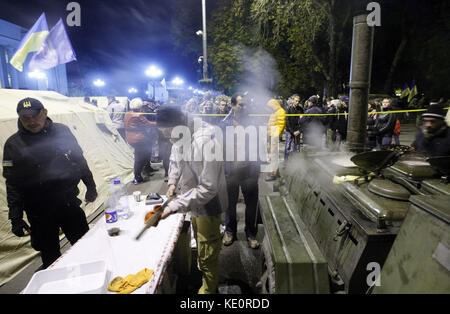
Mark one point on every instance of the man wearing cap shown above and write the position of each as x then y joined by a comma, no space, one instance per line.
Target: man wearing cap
42,165
201,186
433,138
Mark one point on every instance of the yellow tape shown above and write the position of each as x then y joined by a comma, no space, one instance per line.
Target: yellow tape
268,114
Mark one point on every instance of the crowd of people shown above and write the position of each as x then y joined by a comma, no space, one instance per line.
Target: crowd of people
43,163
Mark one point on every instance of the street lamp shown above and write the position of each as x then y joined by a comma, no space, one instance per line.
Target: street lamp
39,76
153,72
99,83
132,90
177,81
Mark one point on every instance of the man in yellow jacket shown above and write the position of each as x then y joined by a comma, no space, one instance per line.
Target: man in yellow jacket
276,126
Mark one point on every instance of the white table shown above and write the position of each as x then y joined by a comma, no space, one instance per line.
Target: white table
123,254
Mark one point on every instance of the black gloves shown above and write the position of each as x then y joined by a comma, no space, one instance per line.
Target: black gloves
18,226
91,194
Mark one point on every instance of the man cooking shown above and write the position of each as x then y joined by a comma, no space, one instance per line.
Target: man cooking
202,189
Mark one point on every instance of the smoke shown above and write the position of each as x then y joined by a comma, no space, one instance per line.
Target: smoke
260,77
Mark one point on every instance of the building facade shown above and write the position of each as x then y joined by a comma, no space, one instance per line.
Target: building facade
55,79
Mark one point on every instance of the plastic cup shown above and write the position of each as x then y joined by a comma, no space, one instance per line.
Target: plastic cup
137,196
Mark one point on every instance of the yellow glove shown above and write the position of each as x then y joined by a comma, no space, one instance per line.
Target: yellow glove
131,282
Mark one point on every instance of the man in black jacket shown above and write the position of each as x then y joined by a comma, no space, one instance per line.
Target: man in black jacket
312,123
385,124
433,138
293,126
42,165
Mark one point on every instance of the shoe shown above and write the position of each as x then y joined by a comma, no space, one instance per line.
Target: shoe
253,243
228,239
136,182
166,179
152,170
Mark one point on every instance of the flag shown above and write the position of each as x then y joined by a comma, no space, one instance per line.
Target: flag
405,91
55,50
31,42
413,91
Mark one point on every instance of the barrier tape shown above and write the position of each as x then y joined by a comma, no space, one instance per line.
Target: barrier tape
269,114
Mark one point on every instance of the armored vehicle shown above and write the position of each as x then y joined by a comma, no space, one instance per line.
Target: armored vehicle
338,216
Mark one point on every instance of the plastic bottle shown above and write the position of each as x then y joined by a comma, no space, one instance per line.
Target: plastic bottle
111,214
121,199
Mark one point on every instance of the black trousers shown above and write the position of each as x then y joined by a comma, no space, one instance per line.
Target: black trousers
142,156
45,223
249,187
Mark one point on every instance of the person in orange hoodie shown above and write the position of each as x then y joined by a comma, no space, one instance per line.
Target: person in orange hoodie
137,129
276,126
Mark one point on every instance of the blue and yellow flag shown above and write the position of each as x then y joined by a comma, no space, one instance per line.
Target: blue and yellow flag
56,49
405,91
413,91
31,42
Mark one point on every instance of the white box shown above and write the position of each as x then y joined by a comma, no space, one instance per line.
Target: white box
89,278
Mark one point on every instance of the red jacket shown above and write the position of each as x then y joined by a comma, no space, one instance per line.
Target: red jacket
137,127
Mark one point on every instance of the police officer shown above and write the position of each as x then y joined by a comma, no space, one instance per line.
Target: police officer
42,165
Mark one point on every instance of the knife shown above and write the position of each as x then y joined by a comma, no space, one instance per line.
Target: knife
155,218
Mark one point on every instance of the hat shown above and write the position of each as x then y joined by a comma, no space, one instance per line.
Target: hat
313,99
136,104
170,117
345,99
29,106
435,111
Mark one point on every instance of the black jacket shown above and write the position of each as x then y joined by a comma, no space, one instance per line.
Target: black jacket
43,169
292,122
385,124
438,145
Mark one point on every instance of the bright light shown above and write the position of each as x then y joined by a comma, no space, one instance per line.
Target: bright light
132,90
37,75
177,81
99,83
154,72
190,88
199,33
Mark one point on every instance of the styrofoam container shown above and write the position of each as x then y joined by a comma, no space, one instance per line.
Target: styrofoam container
89,278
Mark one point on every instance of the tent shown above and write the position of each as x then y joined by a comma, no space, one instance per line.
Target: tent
107,154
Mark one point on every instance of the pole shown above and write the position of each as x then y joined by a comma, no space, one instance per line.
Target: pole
205,52
360,74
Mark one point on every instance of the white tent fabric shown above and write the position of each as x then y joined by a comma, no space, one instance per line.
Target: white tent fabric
107,154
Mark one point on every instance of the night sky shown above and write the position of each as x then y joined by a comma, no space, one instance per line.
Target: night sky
117,40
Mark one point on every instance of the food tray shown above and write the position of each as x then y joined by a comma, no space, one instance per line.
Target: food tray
89,278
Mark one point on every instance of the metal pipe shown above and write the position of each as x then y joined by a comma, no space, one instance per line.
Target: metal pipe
360,75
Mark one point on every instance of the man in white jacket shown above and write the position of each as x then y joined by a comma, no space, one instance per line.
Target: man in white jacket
116,112
196,176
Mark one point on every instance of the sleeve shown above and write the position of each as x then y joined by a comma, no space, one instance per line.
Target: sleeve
174,166
204,192
14,195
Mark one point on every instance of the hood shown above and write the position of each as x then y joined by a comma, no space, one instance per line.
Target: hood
274,104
